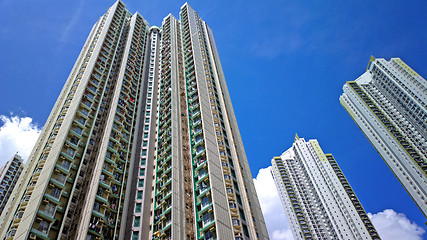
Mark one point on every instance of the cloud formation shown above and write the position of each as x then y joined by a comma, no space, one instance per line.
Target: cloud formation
393,226
17,135
274,214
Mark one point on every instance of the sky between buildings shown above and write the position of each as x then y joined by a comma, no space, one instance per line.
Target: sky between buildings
285,63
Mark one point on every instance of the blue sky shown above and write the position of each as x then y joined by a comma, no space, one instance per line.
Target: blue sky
285,63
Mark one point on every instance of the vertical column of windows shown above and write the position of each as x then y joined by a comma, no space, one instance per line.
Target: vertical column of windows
186,142
145,141
238,218
318,218
204,209
107,209
163,173
105,206
293,197
353,198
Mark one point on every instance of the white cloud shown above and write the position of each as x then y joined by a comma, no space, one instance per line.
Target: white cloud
17,135
393,226
274,214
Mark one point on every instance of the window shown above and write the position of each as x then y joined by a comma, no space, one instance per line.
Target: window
135,236
74,141
19,215
197,129
242,214
66,164
199,149
143,161
147,120
78,130
239,200
140,182
203,186
145,135
206,218
235,222
55,192
139,195
60,178
202,172
144,152
84,111
96,206
87,103
208,235
12,233
96,82
205,201
50,209
146,127
144,143
196,120
90,96
81,121
136,222
70,152
109,154
142,172
138,208
43,227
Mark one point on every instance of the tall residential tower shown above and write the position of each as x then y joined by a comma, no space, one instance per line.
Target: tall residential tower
318,200
389,104
9,175
142,142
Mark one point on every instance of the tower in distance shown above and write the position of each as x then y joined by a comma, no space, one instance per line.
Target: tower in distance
316,196
9,175
389,104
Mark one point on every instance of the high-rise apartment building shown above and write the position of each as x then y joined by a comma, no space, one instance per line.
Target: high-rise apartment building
9,175
389,104
318,200
142,142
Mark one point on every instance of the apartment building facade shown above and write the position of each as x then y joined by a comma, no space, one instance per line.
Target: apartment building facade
9,175
318,200
142,142
389,104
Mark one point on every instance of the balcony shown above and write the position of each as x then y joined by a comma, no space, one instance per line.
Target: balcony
48,214
227,178
42,234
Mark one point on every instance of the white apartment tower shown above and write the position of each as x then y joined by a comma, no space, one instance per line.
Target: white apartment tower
9,175
142,143
318,200
389,104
